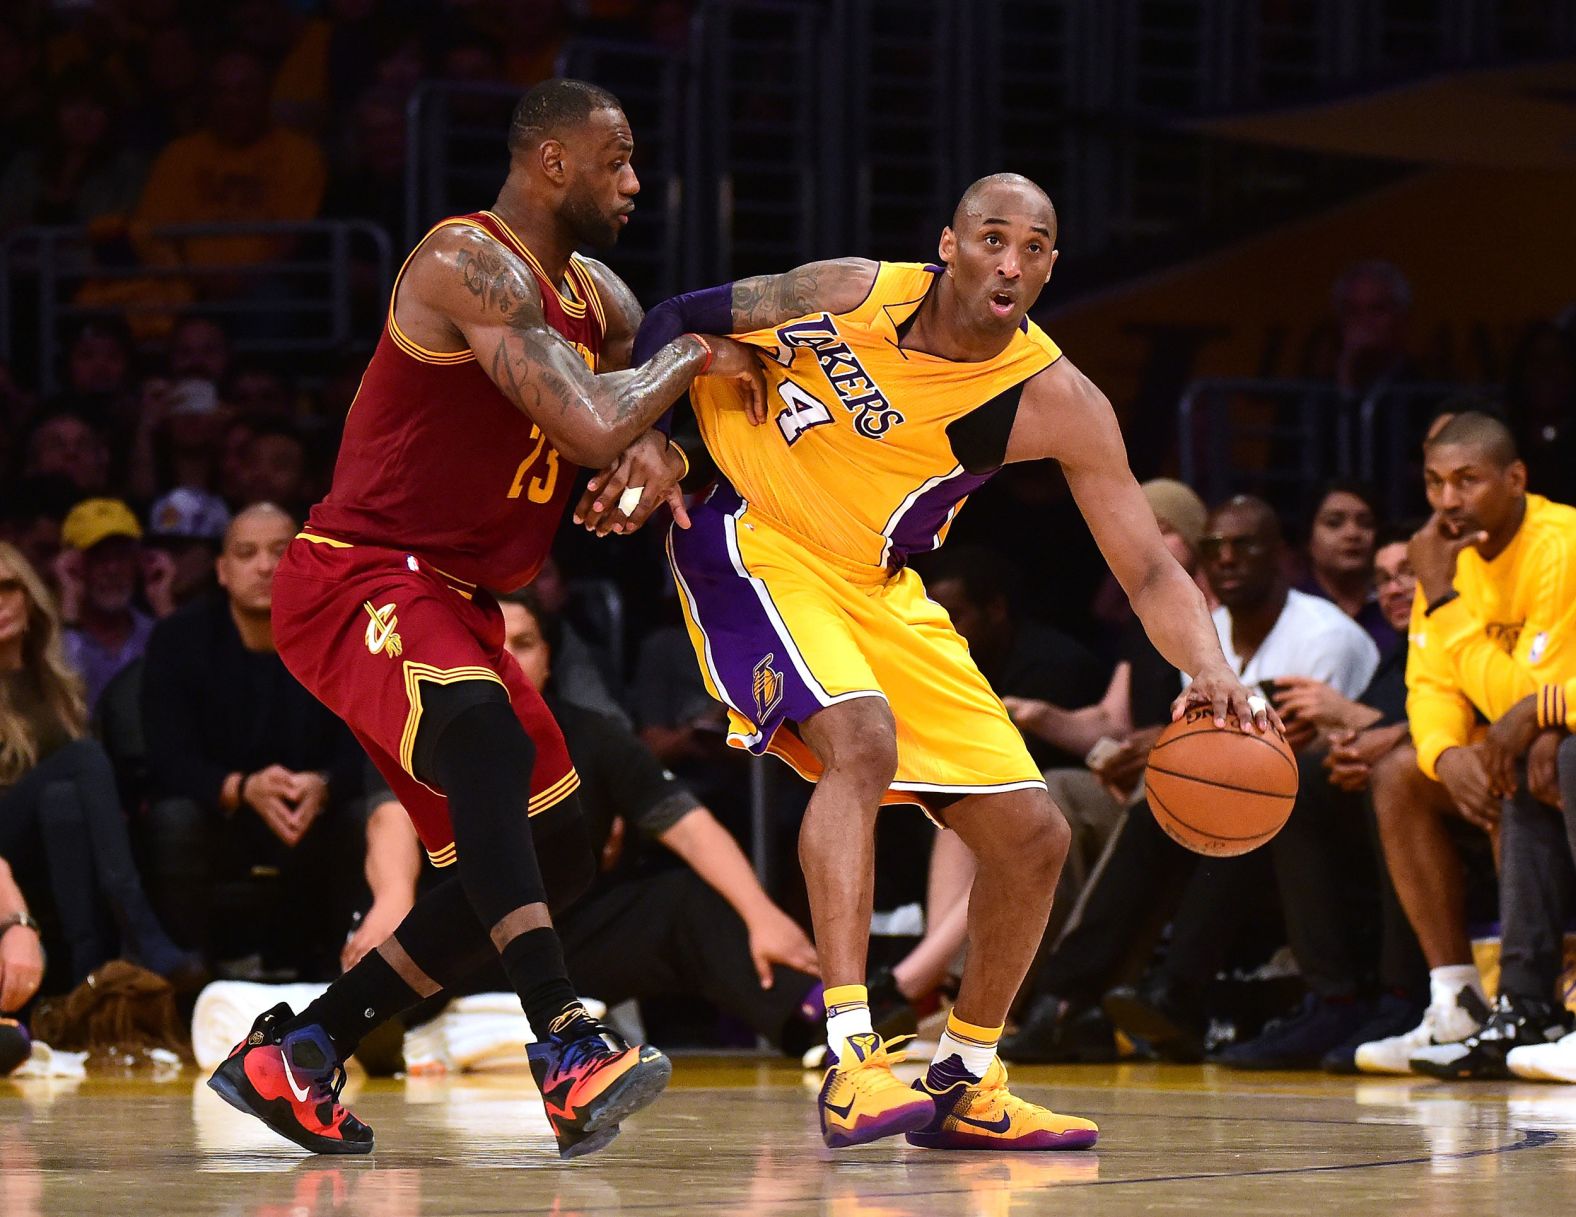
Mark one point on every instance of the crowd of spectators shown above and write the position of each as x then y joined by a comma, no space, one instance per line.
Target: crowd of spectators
168,793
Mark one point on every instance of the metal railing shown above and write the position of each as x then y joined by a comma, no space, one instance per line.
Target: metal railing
1282,438
302,301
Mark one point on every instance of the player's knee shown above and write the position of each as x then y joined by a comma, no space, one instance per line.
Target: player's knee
1395,781
1030,839
859,743
480,732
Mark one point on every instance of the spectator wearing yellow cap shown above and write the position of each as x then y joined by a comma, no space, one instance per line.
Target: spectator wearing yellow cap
101,570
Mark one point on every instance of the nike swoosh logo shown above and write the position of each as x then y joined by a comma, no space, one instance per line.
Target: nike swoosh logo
302,1094
1002,1125
840,1111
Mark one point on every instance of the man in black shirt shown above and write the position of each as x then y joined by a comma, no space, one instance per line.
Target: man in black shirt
1020,658
257,788
706,930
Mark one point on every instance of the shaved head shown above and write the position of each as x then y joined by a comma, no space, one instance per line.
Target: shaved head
1255,512
991,195
257,512
1484,433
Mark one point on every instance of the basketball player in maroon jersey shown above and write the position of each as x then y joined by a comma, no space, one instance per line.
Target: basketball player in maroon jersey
503,365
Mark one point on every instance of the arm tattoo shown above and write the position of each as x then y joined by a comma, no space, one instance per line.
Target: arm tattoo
549,383
492,280
772,299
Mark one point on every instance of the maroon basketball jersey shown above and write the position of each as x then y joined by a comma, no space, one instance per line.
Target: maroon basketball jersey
435,460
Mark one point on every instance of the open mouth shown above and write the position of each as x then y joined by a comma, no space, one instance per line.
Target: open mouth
1002,303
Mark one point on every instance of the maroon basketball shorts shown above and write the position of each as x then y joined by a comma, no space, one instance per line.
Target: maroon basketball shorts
368,629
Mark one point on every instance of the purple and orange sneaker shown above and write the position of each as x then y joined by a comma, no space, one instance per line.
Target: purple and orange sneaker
980,1113
291,1081
862,1100
591,1079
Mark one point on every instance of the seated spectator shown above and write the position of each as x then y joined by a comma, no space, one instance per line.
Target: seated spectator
1267,630
188,526
1341,554
1496,572
240,168
259,393
199,349
1019,658
62,830
100,376
257,787
101,571
21,946
1322,858
31,514
65,443
583,672
705,930
275,467
178,437
76,169
1130,715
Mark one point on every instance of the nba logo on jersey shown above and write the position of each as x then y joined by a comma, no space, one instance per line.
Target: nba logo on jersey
768,688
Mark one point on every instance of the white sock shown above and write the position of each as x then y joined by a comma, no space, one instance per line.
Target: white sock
847,1013
1444,984
974,1046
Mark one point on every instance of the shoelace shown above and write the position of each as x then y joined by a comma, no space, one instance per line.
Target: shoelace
891,1052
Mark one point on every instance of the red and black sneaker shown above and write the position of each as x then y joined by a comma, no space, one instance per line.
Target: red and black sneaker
591,1079
291,1082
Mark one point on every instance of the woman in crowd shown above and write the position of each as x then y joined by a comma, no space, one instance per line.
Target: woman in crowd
1341,557
62,830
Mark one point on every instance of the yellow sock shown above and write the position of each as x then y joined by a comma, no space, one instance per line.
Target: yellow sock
847,1013
973,1045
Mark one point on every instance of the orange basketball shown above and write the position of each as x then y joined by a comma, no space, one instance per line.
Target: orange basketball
1220,791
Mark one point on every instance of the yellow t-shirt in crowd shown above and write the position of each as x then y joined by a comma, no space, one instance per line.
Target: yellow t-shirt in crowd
1511,629
198,180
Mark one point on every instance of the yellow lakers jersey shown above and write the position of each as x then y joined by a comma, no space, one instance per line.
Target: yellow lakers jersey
863,455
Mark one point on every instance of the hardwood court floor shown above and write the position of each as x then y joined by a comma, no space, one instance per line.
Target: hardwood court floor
736,1136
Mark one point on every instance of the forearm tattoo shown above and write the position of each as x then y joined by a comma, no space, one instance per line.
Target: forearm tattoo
772,299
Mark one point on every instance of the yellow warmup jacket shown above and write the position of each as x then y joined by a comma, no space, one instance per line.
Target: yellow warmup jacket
1509,634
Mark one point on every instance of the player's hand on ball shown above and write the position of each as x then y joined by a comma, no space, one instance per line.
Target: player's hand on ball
620,499
741,363
1218,687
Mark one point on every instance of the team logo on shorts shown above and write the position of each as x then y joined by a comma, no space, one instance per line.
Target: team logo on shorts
768,688
381,638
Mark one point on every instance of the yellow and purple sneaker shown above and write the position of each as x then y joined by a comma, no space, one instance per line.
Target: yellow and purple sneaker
980,1113
862,1100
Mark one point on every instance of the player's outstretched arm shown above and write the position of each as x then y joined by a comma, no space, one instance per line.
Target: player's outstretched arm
468,281
836,286
1062,415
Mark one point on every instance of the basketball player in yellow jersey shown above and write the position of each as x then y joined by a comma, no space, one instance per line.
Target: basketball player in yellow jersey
893,391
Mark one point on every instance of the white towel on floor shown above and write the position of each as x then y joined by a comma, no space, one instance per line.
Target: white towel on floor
226,1009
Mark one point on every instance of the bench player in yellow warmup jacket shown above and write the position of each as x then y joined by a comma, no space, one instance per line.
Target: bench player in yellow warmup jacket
894,391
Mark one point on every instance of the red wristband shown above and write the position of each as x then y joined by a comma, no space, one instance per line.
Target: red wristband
710,354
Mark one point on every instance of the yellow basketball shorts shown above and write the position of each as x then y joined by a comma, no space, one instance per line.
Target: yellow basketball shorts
783,630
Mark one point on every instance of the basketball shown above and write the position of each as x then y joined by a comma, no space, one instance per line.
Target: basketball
1220,791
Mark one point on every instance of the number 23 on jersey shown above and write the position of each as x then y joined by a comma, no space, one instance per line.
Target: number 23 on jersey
538,489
